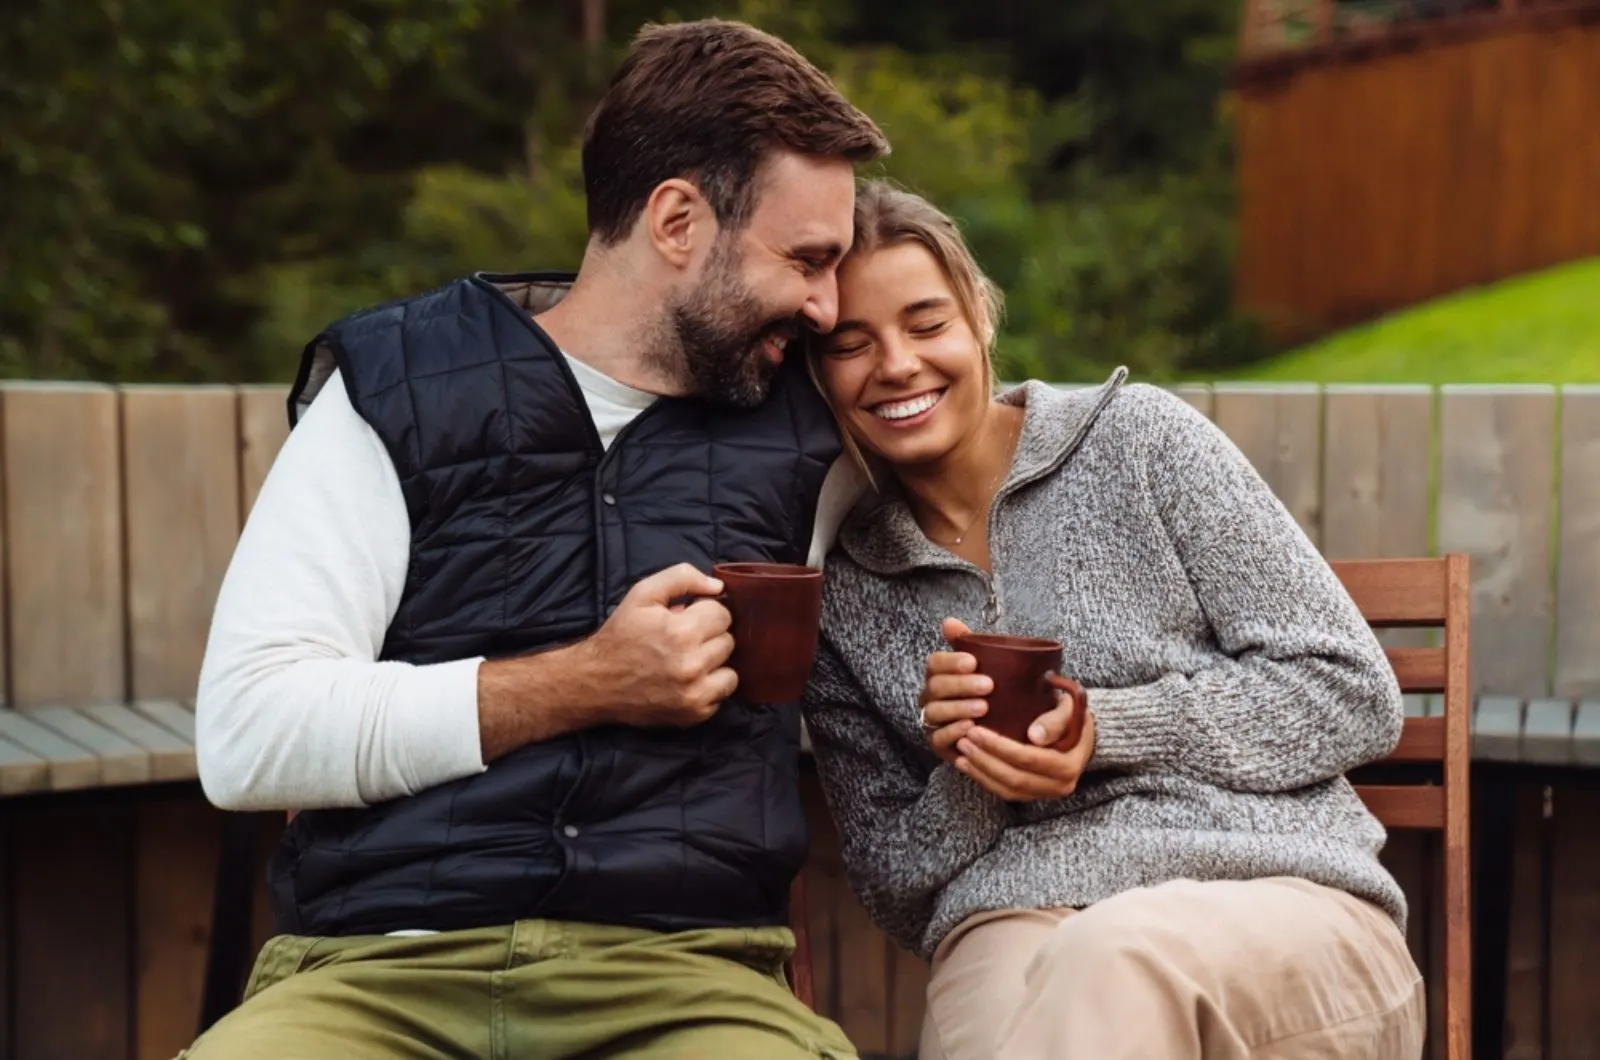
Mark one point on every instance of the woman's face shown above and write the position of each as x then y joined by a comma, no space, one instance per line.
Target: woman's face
902,368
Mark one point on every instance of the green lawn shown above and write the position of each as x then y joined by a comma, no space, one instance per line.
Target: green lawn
1539,328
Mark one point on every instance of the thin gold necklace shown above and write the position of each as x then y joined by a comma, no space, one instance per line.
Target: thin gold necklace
988,502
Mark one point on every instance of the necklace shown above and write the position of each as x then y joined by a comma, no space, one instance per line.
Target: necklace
982,508
988,503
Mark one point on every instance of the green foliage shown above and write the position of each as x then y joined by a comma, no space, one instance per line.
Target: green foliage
457,222
190,191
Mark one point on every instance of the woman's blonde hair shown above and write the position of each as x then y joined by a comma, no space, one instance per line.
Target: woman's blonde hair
887,215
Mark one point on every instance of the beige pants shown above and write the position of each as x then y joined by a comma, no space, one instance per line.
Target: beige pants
1266,969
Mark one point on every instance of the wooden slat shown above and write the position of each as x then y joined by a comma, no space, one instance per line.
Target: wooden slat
7,961
1547,732
121,760
263,426
64,543
1586,734
1396,592
21,770
71,766
1198,395
1525,959
171,757
1575,919
824,870
1377,460
1497,728
800,962
1578,584
5,647
1418,669
1495,499
863,976
170,715
180,449
1405,805
1279,429
1375,471
71,879
1422,740
174,870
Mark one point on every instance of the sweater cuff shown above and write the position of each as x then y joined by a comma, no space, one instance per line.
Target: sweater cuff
1134,728
433,711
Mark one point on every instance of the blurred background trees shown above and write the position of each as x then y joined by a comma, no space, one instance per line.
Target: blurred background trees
190,189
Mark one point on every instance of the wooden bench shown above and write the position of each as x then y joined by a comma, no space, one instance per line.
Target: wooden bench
67,748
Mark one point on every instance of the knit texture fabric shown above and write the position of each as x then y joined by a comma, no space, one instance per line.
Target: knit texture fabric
1232,680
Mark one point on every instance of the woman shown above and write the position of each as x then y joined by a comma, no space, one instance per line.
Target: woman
1193,877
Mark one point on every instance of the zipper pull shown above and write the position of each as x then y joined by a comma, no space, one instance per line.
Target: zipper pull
991,610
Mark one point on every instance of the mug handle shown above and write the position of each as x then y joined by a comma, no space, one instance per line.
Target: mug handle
1080,707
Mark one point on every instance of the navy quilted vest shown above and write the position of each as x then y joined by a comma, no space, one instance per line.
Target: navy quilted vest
524,535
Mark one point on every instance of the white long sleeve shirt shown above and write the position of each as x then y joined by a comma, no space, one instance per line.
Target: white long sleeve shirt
293,709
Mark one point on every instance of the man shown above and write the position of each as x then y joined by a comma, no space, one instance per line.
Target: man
468,630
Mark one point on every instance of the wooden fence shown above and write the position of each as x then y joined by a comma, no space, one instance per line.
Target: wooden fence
1375,174
121,507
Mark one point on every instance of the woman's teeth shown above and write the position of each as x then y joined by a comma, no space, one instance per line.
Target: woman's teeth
904,410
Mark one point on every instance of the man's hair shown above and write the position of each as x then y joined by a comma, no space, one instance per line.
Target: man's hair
706,101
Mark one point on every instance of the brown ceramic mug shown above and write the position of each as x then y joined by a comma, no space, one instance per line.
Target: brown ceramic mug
777,612
1024,672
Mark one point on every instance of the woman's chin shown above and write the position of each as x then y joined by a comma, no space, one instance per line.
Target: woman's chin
904,451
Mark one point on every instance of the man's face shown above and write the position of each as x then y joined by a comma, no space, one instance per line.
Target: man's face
760,285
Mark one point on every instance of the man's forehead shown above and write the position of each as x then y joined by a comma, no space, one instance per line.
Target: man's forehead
812,199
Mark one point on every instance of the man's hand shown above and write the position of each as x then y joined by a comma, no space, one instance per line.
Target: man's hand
655,662
663,662
1043,768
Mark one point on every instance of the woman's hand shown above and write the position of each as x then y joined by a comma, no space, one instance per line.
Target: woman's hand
952,700
1041,769
952,695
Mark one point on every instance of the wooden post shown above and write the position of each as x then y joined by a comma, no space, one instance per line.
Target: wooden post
1578,567
1279,429
1496,493
63,499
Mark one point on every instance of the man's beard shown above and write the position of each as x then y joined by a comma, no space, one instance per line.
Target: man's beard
719,330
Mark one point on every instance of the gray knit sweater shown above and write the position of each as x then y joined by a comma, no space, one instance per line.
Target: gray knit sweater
1232,680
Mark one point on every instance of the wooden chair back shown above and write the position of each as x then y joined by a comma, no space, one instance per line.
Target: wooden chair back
1422,593
799,966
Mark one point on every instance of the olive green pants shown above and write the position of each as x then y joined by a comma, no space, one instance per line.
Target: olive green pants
535,990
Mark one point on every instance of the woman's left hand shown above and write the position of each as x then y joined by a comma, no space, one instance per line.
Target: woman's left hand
1040,769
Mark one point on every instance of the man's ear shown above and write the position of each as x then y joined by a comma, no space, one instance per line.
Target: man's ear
678,222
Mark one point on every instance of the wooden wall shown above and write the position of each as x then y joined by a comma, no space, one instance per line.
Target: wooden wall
1374,178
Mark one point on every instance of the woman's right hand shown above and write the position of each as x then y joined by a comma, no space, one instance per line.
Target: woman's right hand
952,695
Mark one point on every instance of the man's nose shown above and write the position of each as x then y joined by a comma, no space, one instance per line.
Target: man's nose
822,306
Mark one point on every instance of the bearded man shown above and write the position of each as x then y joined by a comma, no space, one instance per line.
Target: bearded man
535,817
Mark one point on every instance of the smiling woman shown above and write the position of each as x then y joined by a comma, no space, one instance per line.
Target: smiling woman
1168,843
908,368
